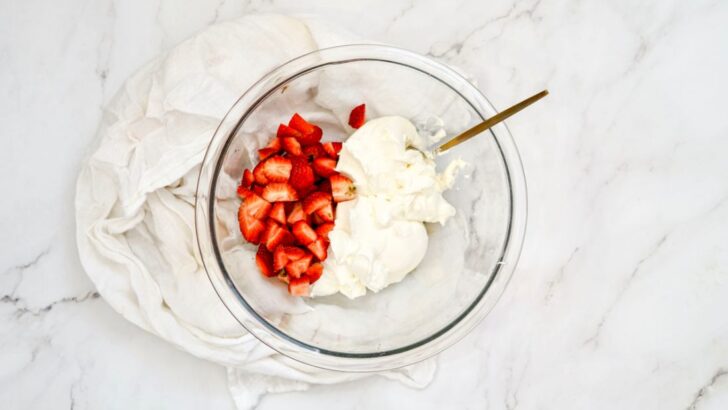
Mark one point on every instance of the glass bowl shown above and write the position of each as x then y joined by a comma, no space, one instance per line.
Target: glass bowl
469,259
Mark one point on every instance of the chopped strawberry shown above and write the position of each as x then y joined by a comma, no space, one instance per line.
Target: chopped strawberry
277,169
305,191
250,227
356,118
279,192
324,229
296,214
314,272
284,131
326,213
342,188
332,148
298,287
278,213
291,146
258,190
248,178
325,167
299,124
284,254
275,144
258,174
243,192
314,151
264,153
255,206
303,232
296,268
318,248
264,260
301,173
316,201
311,138
275,235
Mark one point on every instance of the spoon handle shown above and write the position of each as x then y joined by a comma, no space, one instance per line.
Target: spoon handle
490,122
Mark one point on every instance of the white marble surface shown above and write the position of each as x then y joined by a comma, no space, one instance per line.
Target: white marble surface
621,295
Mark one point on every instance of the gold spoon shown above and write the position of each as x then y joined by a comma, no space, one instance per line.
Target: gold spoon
490,122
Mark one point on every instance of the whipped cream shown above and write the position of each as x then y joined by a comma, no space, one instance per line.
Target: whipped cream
380,236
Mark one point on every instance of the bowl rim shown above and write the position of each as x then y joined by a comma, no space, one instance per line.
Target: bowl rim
345,361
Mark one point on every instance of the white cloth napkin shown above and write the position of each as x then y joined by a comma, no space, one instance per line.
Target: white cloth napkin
135,199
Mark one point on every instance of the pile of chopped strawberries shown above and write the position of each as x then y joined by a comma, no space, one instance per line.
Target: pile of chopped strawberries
289,202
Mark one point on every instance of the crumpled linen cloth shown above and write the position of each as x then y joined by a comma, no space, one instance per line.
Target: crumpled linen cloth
135,199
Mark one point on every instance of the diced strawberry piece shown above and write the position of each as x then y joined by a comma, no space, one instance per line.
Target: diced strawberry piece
314,272
325,167
296,268
296,214
303,232
279,192
250,227
278,213
293,253
306,191
342,188
255,206
332,148
299,124
291,146
248,178
318,248
280,259
314,151
275,235
301,173
298,287
258,190
275,144
356,118
312,137
243,192
284,131
277,169
258,174
326,213
264,260
316,201
324,229
264,153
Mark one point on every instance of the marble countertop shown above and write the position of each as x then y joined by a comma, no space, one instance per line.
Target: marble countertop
621,295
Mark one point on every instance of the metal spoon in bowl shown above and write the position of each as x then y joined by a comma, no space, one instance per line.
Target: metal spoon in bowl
489,122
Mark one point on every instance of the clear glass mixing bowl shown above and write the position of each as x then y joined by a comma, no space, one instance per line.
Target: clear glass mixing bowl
469,260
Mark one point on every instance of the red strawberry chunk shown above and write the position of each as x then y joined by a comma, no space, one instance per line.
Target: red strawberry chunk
284,131
296,214
332,148
264,260
314,151
324,229
301,173
312,137
248,178
275,235
258,190
279,192
255,206
316,201
325,167
314,272
357,116
258,174
304,233
280,259
278,213
298,287
264,153
275,144
277,169
318,248
342,188
299,124
326,213
291,146
243,192
250,227
296,268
